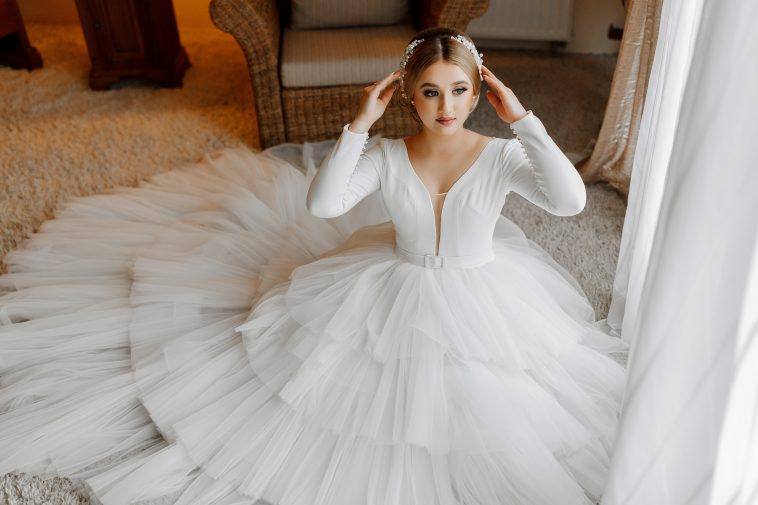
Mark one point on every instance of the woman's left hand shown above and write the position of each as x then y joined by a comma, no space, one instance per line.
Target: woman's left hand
502,98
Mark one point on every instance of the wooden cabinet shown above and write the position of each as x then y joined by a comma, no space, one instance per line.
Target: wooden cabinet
15,49
132,38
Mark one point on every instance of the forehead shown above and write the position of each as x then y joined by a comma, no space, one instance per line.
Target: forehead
443,73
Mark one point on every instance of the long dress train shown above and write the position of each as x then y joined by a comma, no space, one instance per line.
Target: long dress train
205,339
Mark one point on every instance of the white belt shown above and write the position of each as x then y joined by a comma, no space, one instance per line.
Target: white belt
436,261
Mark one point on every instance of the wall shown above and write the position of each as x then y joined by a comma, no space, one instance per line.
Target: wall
591,21
588,27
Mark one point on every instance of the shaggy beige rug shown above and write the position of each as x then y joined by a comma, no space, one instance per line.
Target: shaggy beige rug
60,139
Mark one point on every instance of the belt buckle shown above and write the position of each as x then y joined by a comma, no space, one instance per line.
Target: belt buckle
433,261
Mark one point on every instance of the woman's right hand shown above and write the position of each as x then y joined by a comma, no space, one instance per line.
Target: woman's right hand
374,102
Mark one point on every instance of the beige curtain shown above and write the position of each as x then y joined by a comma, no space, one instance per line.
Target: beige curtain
611,158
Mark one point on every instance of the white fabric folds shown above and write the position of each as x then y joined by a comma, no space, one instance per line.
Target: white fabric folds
205,340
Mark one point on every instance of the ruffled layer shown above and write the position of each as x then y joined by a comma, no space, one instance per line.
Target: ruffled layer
256,446
69,402
374,355
68,399
293,359
347,349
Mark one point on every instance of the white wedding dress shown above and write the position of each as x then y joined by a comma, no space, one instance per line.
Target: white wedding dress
206,339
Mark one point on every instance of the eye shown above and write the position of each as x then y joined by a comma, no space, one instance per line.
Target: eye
461,91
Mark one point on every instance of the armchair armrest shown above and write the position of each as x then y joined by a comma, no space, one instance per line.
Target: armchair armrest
454,13
254,19
255,26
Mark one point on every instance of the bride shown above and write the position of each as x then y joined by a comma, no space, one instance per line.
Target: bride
371,332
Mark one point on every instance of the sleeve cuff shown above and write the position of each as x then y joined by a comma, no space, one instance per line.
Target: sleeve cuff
353,138
529,116
529,124
349,132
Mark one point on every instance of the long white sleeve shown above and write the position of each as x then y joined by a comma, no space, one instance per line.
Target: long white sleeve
537,169
346,176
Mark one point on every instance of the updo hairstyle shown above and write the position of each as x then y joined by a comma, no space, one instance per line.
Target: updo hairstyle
437,46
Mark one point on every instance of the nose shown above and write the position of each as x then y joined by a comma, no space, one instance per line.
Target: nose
443,105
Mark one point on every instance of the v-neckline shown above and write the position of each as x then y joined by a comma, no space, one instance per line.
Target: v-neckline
455,184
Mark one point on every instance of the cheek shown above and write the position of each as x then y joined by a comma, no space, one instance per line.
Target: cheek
423,106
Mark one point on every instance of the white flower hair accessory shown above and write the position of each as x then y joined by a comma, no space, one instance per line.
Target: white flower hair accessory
412,46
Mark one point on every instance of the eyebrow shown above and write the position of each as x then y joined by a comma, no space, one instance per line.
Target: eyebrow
434,85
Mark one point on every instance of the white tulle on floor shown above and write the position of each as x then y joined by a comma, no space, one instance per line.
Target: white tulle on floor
204,339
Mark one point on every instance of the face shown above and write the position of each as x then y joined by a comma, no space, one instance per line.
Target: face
443,91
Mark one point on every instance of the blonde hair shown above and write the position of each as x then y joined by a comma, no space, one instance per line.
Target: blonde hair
438,46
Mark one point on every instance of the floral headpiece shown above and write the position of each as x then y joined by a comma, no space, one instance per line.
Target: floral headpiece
412,46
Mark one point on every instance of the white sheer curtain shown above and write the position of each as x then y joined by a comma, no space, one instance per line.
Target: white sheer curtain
687,296
660,114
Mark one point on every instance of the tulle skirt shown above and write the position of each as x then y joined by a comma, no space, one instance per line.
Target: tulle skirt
204,340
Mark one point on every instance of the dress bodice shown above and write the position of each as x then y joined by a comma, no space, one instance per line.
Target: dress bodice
438,200
530,164
468,212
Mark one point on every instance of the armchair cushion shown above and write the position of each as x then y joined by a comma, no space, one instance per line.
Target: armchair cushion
341,56
316,14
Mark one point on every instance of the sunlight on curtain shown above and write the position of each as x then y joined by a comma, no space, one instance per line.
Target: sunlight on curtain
736,477
660,115
688,432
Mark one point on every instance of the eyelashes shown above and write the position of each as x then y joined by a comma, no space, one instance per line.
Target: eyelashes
462,90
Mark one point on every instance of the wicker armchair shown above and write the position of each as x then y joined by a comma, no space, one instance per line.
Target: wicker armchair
300,113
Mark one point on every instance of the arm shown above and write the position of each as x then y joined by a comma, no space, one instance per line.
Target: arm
346,176
536,168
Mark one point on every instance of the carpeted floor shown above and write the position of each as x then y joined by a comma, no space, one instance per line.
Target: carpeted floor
60,139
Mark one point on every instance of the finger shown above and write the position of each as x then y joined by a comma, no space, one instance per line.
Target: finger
387,93
493,99
496,85
492,79
379,86
394,75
